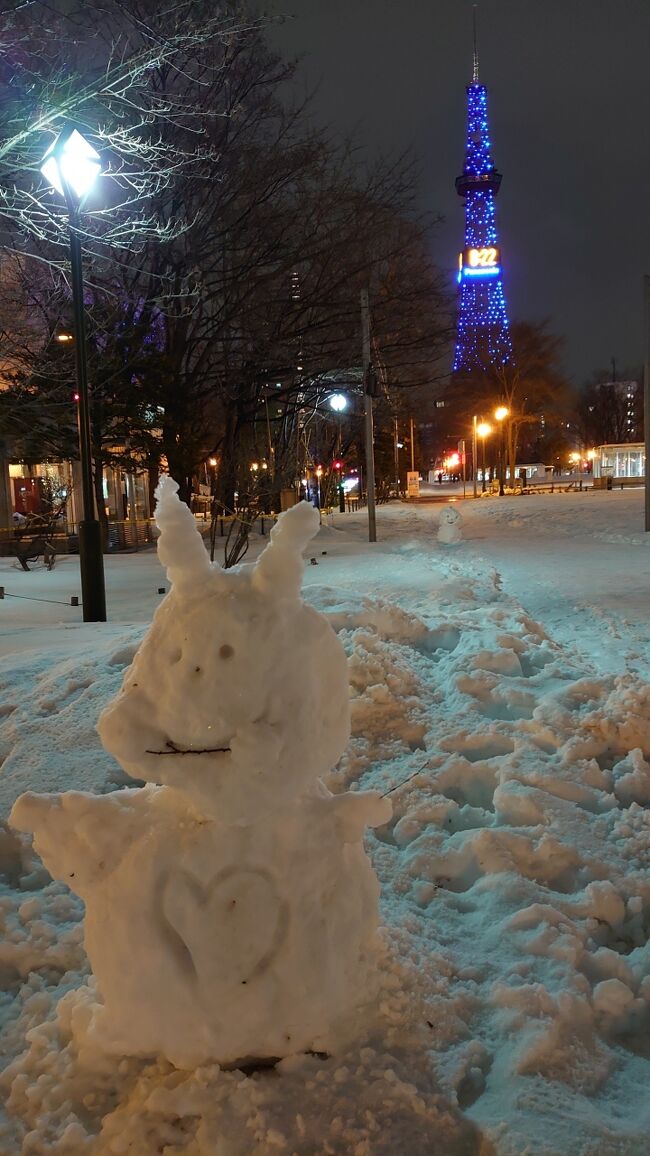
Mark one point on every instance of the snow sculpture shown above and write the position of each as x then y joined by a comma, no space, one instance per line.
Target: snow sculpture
231,911
450,529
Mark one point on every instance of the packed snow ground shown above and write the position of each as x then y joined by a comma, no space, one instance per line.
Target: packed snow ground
500,692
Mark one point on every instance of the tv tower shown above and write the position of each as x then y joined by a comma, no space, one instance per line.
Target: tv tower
482,336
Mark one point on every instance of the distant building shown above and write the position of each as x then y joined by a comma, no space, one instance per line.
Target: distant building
624,400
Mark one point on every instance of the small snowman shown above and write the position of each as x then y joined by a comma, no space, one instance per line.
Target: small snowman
450,528
231,910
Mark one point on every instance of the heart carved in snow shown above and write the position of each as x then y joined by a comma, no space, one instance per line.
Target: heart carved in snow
228,931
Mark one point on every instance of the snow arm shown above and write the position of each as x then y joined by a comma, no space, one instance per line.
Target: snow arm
356,810
80,837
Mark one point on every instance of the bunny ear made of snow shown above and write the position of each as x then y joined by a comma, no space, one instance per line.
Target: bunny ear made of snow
279,568
180,546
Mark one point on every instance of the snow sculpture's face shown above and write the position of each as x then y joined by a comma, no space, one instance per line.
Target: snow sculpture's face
450,516
238,694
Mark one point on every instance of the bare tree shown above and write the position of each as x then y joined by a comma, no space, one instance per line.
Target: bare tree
101,70
532,386
608,410
225,269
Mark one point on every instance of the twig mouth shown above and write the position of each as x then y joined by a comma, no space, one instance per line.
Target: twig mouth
172,749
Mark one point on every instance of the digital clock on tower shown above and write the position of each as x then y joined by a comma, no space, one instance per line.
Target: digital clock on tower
484,262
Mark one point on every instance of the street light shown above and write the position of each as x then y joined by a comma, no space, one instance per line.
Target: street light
501,413
71,165
339,402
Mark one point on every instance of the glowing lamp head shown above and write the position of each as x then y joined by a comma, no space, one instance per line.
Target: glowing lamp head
501,412
71,165
483,429
338,402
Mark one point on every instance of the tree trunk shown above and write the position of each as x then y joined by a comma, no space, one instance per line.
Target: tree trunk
153,474
226,481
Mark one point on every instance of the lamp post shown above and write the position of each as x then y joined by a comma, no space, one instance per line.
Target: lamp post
501,414
71,165
339,403
483,429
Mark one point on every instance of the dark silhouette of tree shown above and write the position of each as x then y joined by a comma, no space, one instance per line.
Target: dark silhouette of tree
224,274
532,386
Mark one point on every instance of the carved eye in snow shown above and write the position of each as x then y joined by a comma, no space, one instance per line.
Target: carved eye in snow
226,651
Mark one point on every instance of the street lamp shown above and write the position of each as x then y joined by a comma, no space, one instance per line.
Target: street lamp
339,402
483,430
501,413
71,165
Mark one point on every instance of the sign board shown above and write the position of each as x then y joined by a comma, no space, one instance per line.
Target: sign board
413,484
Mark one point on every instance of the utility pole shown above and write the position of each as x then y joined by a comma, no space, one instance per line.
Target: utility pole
647,395
368,387
412,450
396,456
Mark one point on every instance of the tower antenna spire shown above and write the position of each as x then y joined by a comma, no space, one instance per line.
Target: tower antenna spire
475,69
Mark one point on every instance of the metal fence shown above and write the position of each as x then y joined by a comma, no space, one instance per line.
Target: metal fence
127,535
132,535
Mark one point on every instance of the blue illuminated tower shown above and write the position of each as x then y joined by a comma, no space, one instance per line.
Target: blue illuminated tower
482,338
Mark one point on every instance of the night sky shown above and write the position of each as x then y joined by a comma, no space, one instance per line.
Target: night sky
568,101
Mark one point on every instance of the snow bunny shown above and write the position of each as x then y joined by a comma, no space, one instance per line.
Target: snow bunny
231,911
450,529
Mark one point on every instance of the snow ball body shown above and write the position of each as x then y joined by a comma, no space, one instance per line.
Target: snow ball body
231,911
